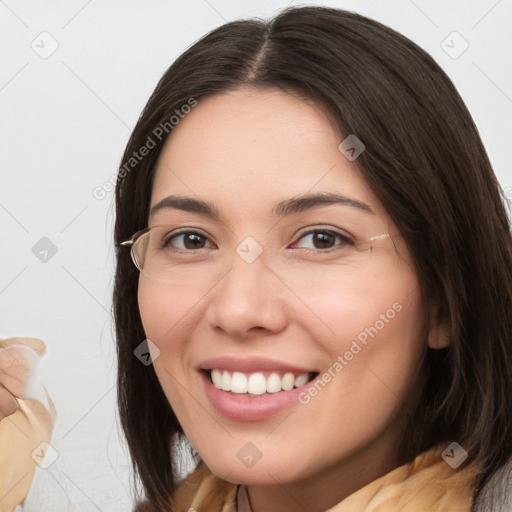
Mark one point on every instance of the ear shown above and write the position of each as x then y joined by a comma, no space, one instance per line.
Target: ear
438,332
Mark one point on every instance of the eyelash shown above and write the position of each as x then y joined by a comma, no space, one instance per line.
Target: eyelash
345,240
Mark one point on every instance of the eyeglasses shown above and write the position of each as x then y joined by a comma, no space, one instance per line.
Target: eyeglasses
155,253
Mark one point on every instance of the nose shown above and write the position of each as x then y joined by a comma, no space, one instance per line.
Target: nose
248,300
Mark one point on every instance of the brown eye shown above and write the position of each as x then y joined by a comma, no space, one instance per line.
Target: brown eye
186,240
324,239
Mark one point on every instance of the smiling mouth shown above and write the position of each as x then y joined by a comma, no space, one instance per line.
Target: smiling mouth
258,383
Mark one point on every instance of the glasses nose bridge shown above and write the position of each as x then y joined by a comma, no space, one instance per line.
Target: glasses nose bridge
250,250
249,265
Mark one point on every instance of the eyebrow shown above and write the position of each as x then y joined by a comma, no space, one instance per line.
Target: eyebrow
281,209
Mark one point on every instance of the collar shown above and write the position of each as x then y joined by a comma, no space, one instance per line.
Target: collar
242,500
426,483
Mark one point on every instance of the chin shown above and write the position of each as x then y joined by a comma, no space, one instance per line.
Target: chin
260,473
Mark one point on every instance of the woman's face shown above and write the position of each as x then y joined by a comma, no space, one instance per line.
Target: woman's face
255,295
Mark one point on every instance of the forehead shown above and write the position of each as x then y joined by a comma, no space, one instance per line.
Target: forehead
250,149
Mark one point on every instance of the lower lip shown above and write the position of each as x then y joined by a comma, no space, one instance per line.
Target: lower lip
245,408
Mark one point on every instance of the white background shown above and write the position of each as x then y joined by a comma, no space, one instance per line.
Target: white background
64,123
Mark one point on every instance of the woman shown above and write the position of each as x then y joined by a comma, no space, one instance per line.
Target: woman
321,279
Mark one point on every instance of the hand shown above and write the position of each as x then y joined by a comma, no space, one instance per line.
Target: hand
18,361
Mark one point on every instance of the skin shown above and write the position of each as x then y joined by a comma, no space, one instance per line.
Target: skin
18,360
244,151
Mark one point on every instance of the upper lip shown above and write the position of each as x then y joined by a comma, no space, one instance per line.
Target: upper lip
251,365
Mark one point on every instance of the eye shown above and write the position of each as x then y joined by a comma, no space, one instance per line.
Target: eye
324,239
185,241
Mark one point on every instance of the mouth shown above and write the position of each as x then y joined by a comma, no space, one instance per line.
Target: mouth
258,384
253,388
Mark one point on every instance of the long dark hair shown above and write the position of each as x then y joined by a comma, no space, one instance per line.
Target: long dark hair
425,162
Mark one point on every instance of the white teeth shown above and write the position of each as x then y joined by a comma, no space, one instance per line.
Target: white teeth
273,383
238,383
256,383
301,380
217,378
226,382
288,381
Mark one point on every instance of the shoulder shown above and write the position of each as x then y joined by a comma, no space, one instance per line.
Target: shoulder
497,493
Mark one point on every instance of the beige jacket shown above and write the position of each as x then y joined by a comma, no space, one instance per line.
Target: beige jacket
427,484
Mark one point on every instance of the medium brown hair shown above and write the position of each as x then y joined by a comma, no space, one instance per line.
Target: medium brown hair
425,162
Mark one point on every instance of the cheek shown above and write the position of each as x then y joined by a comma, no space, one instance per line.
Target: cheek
384,302
374,335
166,311
167,314
373,356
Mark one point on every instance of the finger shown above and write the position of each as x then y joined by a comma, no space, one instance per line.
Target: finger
8,404
35,343
17,364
